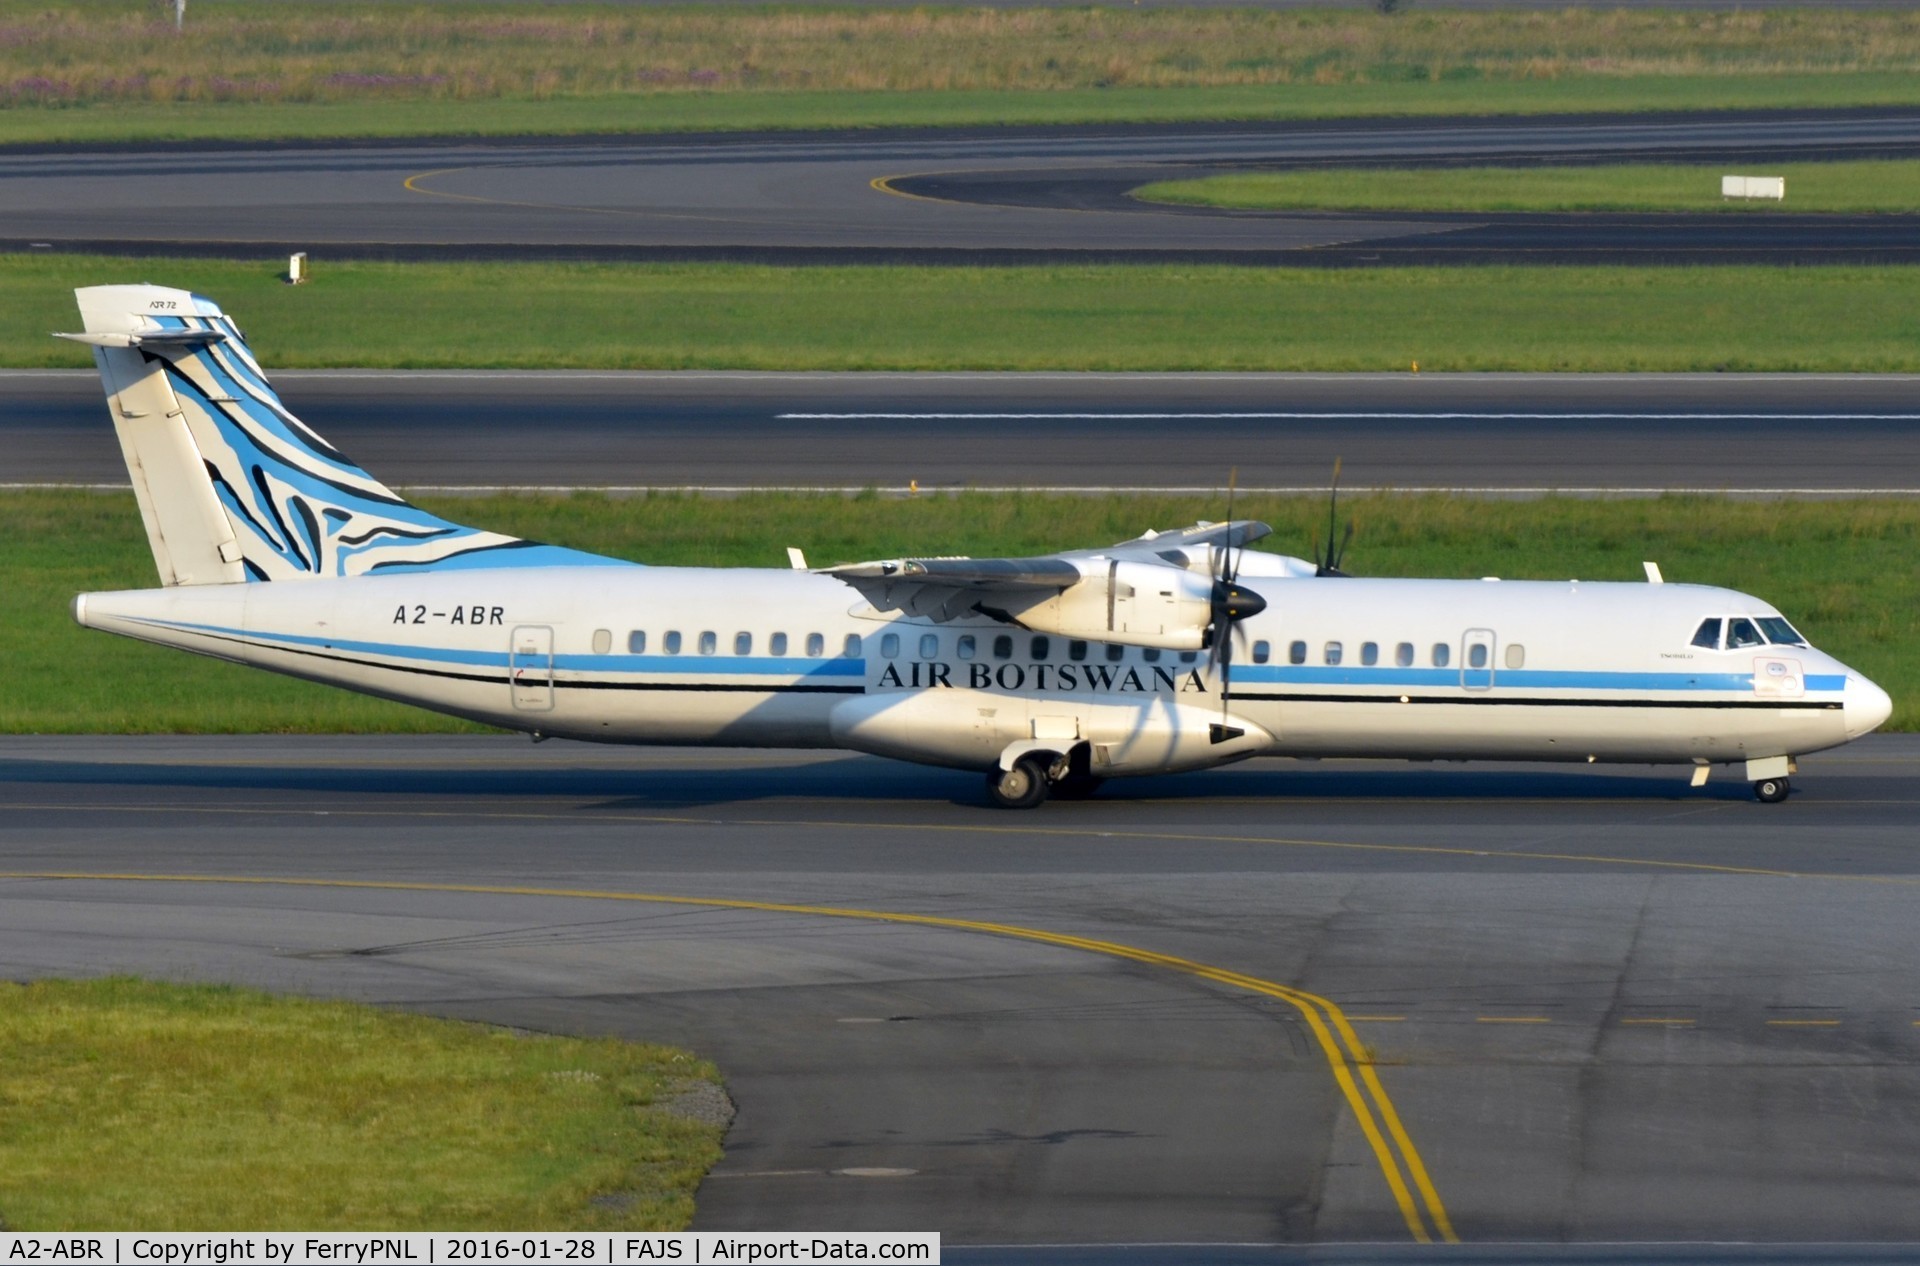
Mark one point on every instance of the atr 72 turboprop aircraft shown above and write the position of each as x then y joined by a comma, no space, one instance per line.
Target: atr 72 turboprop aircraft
1049,674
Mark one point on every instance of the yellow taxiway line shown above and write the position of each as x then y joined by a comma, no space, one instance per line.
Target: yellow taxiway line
1347,1057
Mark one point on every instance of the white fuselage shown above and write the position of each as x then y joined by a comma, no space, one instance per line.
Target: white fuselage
1334,667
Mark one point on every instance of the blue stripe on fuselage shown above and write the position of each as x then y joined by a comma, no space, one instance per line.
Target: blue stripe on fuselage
1514,678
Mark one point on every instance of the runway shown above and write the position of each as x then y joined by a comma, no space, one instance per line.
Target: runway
1517,434
1598,1005
953,196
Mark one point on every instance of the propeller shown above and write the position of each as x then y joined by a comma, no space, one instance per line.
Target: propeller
1330,565
1230,603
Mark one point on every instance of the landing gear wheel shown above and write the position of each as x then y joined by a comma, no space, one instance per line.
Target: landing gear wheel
1022,787
1771,790
1077,787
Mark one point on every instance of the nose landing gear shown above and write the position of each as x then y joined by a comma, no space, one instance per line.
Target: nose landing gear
1769,777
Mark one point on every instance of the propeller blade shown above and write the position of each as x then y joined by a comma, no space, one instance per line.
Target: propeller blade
1333,511
1226,550
1226,675
1329,564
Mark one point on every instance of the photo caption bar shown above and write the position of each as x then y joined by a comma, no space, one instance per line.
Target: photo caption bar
439,1248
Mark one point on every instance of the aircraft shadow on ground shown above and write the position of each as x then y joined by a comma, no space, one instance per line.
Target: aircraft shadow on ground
871,779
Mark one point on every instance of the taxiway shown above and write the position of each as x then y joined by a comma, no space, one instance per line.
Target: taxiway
1598,1004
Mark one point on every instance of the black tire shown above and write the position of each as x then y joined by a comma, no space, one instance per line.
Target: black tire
1077,787
1771,790
1022,787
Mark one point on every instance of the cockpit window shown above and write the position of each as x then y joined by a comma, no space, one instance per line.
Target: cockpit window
1741,634
1708,634
1779,632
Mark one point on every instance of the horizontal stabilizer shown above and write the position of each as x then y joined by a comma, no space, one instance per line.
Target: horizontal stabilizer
158,340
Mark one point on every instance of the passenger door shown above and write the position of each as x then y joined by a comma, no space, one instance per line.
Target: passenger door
530,668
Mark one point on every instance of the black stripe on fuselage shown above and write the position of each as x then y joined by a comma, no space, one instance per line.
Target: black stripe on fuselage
559,683
1807,705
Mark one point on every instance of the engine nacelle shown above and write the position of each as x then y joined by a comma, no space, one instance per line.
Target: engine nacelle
969,729
1141,604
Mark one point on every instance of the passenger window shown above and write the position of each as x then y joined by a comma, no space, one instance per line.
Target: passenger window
1151,654
1041,647
1003,647
1076,651
1297,653
1369,653
889,646
964,647
929,645
671,643
1477,655
777,644
1708,634
816,645
743,643
1779,632
1189,657
1115,652
636,643
852,648
1442,654
1334,652
602,641
1516,655
1403,654
1262,652
1741,634
709,642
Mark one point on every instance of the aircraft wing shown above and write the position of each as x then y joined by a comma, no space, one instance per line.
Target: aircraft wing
950,588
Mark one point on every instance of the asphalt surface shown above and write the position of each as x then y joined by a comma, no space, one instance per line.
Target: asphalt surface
1604,1006
960,196
1797,434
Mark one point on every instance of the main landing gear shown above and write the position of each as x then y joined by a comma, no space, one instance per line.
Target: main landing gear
1771,790
1034,777
1022,787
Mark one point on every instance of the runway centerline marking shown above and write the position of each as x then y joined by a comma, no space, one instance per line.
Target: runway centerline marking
1340,416
968,828
1346,1056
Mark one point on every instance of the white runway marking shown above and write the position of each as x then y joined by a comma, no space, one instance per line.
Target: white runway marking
1356,415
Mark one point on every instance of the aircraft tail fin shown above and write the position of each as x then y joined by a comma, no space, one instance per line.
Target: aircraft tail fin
233,487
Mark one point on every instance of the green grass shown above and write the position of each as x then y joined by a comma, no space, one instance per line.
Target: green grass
130,1105
105,69
1112,317
1887,186
1842,570
594,114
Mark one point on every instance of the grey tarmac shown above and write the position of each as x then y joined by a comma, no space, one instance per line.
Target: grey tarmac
932,195
1604,1006
1790,434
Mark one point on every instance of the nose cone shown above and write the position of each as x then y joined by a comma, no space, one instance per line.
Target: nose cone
1865,706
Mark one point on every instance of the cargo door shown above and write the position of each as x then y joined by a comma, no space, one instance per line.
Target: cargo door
530,668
